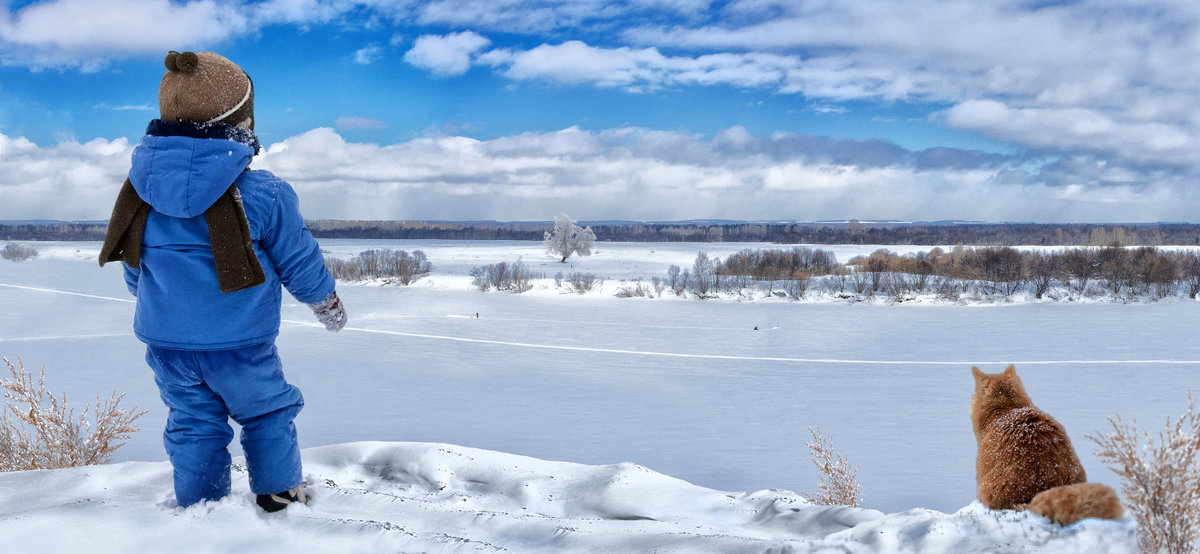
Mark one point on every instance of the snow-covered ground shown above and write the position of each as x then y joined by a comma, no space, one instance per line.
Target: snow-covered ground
422,497
686,388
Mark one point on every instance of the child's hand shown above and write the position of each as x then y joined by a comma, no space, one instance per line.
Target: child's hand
331,312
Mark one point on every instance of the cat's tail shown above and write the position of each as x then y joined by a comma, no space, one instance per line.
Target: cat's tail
1070,503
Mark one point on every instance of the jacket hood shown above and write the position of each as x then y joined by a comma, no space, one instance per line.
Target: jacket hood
181,168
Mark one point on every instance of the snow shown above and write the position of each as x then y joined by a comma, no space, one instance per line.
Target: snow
407,497
687,388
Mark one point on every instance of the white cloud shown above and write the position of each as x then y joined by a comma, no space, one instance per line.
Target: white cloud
358,123
67,181
302,12
127,107
446,55
84,33
87,34
368,54
1080,130
640,69
525,17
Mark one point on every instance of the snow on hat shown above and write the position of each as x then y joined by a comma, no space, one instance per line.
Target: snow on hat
205,87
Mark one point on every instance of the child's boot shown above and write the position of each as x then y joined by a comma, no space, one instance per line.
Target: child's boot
280,500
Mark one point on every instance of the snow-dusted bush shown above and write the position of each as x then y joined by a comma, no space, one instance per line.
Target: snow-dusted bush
1159,480
704,277
397,265
18,253
503,276
637,289
568,238
578,282
838,480
38,431
677,279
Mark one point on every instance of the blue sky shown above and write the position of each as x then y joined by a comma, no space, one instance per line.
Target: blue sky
647,109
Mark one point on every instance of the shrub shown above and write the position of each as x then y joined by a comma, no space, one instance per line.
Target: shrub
677,280
1160,480
1189,269
381,264
18,253
34,435
636,289
659,285
578,282
704,277
503,276
838,485
797,286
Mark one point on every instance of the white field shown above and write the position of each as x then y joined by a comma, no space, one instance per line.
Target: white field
685,388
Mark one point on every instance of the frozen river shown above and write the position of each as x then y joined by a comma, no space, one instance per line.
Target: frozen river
688,388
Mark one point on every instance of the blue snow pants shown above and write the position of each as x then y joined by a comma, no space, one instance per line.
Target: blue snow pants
203,389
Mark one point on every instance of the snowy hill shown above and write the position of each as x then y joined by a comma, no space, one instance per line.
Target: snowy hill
423,497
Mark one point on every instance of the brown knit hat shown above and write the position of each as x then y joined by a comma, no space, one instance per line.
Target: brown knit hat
205,87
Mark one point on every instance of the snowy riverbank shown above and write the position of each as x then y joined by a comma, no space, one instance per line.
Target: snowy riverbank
420,497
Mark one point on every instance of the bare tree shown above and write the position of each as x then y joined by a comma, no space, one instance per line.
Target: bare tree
1189,268
1041,269
703,274
1079,268
676,281
1004,269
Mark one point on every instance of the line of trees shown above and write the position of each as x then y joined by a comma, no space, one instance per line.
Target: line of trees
1114,272
852,232
789,269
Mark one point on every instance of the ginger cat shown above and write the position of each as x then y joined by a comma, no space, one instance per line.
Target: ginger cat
1025,458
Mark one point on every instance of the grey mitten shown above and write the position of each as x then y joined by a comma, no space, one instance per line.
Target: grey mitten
330,312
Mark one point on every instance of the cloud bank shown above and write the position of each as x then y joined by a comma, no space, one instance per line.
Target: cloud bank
632,173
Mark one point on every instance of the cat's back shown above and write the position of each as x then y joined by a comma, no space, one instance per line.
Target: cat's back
1022,452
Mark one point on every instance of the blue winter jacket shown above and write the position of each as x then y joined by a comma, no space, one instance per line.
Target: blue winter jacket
179,303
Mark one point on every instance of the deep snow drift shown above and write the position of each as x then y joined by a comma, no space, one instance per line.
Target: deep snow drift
420,497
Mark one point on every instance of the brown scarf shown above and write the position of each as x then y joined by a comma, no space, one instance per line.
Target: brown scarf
237,265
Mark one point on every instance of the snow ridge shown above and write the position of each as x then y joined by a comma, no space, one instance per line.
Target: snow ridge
378,496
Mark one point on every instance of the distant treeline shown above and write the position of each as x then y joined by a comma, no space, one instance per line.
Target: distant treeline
53,231
979,234
1006,234
484,230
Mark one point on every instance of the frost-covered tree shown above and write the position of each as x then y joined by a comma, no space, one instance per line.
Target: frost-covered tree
569,238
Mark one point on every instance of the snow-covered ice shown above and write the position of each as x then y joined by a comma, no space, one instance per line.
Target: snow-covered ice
686,388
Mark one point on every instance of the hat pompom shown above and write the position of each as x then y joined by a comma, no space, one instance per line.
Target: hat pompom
185,62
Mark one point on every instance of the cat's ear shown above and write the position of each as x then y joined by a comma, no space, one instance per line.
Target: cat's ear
979,375
1010,371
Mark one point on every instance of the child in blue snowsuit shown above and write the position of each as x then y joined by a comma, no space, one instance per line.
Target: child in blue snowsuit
206,244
